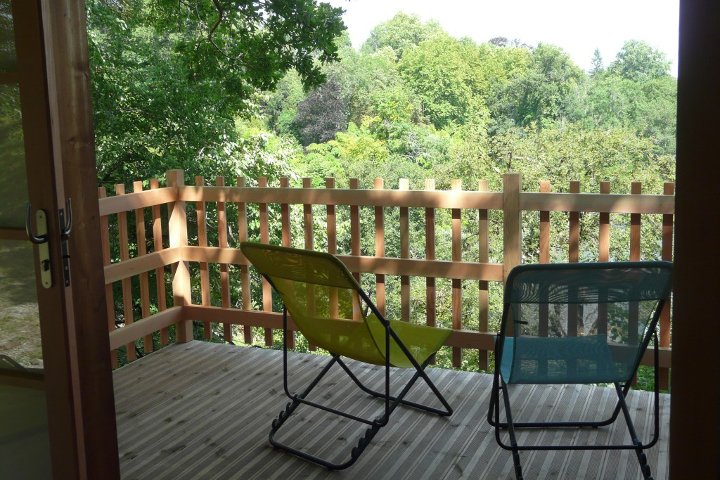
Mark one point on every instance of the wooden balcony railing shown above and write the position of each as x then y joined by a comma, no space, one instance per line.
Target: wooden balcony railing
471,241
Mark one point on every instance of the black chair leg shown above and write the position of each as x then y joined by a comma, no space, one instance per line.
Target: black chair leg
511,432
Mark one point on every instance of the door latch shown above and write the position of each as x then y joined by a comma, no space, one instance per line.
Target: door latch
65,228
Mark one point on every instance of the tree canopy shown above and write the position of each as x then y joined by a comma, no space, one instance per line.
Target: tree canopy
170,79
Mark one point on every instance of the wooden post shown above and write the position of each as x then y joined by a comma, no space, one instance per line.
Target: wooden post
178,239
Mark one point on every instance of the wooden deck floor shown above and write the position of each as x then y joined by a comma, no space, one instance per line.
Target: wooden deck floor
203,411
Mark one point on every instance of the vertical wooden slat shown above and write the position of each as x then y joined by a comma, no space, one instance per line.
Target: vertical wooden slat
179,239
160,284
404,253
144,281
483,257
308,230
574,256
265,238
544,227
224,267
332,246
574,237
204,272
285,215
512,232
109,300
544,254
635,218
380,300
244,269
603,256
286,242
355,242
635,189
604,235
160,271
456,185
430,282
309,237
543,326
126,284
667,251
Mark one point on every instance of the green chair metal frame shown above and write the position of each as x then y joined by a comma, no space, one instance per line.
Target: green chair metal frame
325,301
580,323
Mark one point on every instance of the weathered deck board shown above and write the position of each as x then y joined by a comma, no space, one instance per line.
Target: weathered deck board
203,411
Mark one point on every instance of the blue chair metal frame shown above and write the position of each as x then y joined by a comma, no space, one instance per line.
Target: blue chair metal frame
629,296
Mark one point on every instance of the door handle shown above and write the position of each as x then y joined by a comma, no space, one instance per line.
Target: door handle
43,236
41,240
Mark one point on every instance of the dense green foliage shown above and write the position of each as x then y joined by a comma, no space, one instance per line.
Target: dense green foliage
170,79
249,97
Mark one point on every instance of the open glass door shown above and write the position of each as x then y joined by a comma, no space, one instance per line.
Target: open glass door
24,440
48,396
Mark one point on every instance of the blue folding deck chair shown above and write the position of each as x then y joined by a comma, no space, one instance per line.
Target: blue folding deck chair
580,323
330,309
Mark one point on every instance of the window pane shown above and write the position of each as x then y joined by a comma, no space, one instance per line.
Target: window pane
19,319
13,188
8,60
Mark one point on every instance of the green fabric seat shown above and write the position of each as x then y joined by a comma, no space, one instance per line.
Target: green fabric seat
333,312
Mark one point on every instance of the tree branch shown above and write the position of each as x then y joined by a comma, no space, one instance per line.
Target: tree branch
221,12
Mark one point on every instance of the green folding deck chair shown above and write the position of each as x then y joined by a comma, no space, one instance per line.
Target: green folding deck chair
333,312
582,323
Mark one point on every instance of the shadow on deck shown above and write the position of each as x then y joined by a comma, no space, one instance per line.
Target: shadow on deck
203,411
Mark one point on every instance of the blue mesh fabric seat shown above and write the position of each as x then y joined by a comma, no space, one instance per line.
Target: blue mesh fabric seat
580,323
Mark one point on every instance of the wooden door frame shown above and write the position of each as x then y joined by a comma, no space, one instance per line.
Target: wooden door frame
695,406
57,119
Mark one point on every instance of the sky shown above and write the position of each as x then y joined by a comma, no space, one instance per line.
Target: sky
577,26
